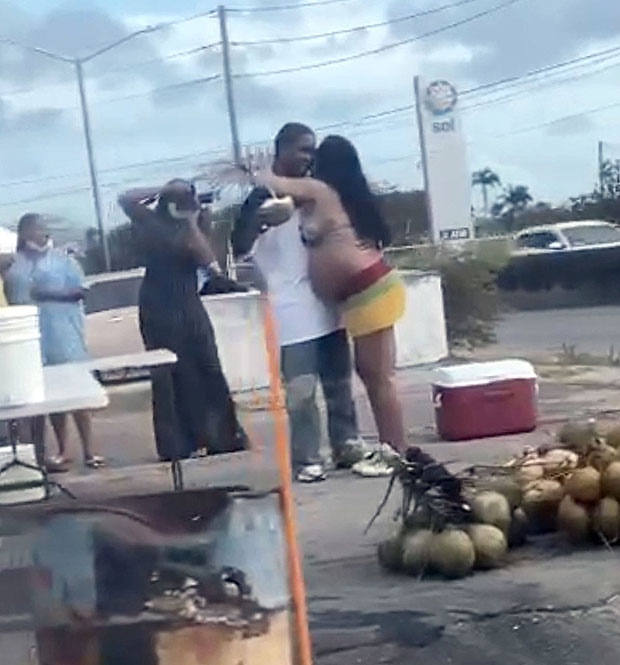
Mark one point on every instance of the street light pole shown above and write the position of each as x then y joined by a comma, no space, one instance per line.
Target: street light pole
230,97
92,169
78,66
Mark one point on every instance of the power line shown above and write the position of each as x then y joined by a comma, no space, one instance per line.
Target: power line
164,88
472,91
277,8
401,158
163,58
210,13
370,116
380,49
346,31
516,94
44,197
353,122
571,116
541,70
108,72
116,169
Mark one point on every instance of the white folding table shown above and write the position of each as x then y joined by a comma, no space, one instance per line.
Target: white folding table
72,387
69,387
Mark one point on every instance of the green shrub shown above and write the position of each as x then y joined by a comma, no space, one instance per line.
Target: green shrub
471,300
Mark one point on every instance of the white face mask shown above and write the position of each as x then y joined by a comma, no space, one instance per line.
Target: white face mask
175,213
34,247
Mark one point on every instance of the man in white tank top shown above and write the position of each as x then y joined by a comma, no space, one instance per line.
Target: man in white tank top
313,344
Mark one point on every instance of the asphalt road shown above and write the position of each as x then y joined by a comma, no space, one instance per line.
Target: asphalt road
551,604
590,330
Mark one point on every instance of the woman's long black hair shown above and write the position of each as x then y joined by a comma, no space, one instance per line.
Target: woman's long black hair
338,164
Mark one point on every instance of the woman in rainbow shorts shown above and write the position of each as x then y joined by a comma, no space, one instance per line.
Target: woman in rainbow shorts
345,233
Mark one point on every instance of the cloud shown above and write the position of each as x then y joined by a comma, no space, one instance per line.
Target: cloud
578,124
186,94
28,120
523,36
257,99
338,43
288,16
77,33
335,103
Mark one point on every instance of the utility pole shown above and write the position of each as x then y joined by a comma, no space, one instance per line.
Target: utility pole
92,169
78,63
230,97
601,162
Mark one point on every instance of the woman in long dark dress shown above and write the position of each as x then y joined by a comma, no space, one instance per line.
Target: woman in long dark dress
192,406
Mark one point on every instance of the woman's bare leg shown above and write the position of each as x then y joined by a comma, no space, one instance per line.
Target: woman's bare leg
375,357
37,433
84,426
59,424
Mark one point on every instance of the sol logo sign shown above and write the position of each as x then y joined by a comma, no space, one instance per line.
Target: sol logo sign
440,99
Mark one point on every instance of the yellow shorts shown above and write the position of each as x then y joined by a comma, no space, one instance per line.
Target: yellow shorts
376,307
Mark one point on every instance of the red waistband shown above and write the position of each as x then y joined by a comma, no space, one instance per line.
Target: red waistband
365,278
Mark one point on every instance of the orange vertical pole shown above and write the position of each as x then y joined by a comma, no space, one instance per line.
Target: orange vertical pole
283,456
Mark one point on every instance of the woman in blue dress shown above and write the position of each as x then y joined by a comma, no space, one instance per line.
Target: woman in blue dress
53,281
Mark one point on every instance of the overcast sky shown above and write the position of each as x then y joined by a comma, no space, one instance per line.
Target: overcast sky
542,134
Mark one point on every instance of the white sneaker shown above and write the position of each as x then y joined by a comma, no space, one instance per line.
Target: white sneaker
379,463
353,451
311,473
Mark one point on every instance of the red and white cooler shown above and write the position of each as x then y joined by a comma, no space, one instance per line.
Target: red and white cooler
477,400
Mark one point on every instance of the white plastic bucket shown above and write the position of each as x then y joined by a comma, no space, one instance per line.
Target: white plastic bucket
21,369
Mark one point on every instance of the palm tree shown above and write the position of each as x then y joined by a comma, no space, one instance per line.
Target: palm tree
513,200
484,179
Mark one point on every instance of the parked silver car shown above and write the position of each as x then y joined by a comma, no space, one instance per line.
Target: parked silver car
568,254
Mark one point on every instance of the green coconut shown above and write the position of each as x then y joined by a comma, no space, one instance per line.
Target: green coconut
578,436
452,553
390,552
606,520
507,487
420,518
540,503
490,545
610,481
517,533
573,519
491,508
612,438
529,472
584,485
416,551
602,456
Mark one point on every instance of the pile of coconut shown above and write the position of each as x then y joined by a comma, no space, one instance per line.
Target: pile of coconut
590,507
454,549
572,486
448,527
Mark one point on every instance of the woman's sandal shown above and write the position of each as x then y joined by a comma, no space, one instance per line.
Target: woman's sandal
95,462
57,464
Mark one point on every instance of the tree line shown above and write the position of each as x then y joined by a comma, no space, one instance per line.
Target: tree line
507,208
514,207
